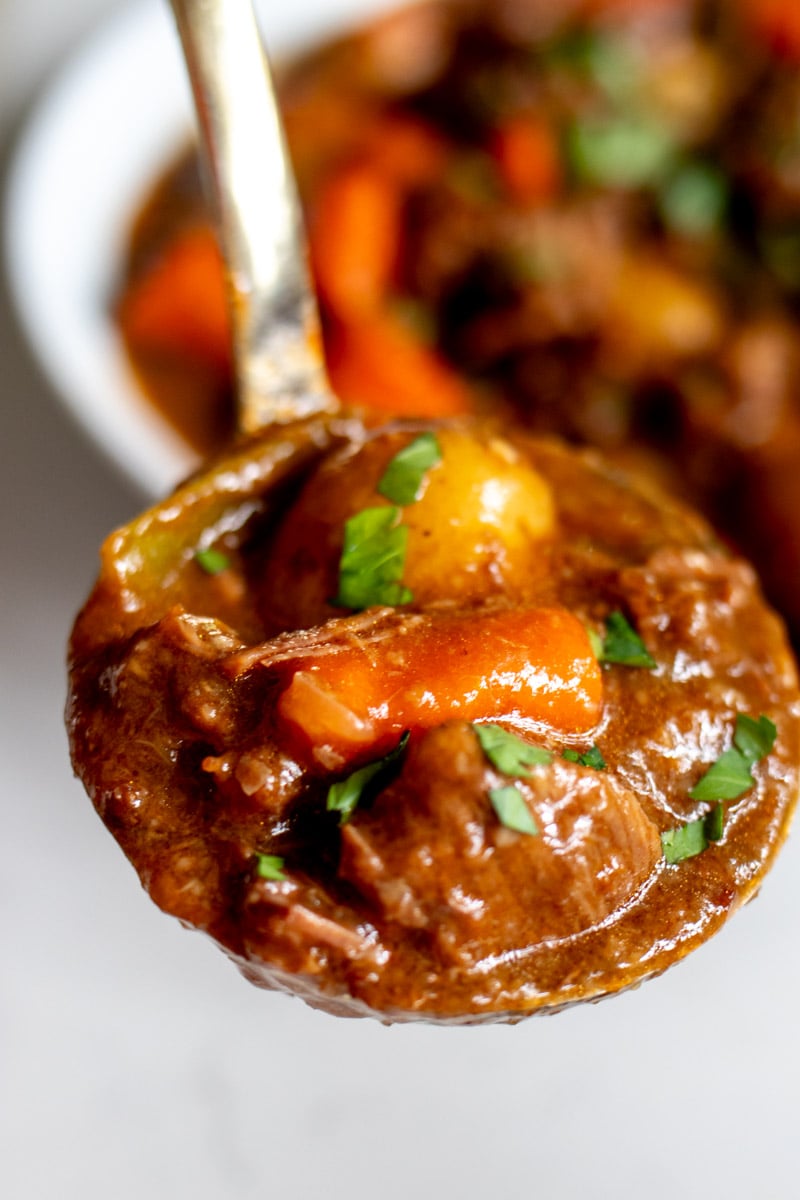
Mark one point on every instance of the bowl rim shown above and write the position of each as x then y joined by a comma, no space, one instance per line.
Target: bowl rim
60,286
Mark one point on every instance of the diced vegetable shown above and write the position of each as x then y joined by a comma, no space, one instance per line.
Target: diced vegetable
657,314
345,796
519,665
512,811
377,362
270,866
693,200
623,645
355,240
179,307
403,478
777,22
529,159
623,151
373,560
509,753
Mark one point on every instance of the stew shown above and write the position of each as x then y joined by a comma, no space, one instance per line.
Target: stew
585,213
430,720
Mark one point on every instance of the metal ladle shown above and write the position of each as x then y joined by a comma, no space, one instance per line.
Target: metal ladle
277,355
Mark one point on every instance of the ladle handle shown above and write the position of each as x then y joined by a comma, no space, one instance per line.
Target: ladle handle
277,346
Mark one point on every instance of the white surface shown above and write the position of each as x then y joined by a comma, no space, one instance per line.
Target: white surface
134,1062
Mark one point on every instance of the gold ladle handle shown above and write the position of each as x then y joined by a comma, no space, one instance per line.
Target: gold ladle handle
276,341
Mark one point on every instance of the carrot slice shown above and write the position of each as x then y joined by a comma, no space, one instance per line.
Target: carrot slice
179,306
777,22
521,666
355,239
527,155
378,363
406,149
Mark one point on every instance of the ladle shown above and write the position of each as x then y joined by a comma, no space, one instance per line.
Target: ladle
218,751
276,341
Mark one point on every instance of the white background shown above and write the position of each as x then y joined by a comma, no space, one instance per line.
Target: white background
134,1062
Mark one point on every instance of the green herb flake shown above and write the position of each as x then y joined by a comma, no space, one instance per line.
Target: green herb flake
605,59
344,797
509,753
270,866
684,842
731,776
694,837
624,152
373,559
623,645
714,824
726,779
212,561
694,199
512,811
402,480
596,642
754,739
590,758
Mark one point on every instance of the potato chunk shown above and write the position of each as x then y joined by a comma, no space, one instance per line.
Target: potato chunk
475,530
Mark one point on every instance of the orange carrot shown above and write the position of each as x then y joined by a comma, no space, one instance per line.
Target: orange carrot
777,22
406,149
378,363
179,306
527,154
520,666
355,239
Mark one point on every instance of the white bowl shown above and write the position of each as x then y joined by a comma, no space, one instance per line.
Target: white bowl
109,123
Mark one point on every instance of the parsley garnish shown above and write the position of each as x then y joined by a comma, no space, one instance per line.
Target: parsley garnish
623,645
754,739
402,480
509,753
687,840
590,758
372,561
693,200
512,811
624,151
731,776
726,779
269,866
715,823
345,796
212,561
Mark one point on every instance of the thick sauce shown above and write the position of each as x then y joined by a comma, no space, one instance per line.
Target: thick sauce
449,805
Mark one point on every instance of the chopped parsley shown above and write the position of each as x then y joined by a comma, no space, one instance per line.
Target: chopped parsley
623,645
401,482
687,840
344,797
373,559
623,151
509,753
726,779
606,60
512,811
269,866
754,739
589,758
715,823
212,561
694,199
731,775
